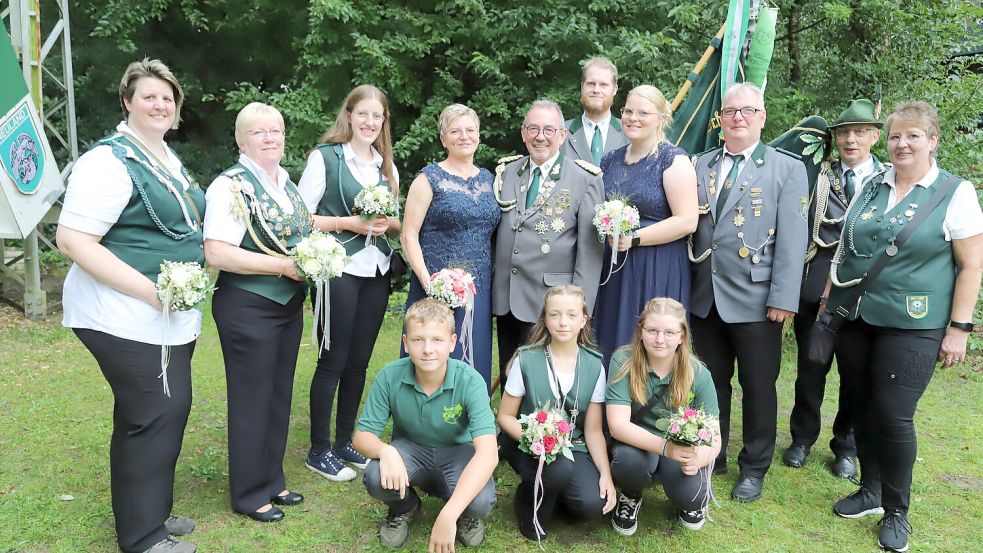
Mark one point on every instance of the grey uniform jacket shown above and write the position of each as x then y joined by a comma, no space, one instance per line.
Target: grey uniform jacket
577,145
752,257
552,243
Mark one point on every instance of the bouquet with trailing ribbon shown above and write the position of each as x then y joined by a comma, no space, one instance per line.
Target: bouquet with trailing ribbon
456,288
546,435
373,201
180,286
690,427
320,257
615,218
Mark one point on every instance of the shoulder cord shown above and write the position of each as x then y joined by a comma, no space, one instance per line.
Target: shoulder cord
869,192
241,210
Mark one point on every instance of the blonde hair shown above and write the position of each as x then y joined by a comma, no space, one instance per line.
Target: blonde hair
249,115
540,335
452,112
919,114
341,131
662,108
429,310
602,63
636,367
154,69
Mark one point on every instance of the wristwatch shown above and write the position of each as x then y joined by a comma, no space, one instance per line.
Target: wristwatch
968,327
635,239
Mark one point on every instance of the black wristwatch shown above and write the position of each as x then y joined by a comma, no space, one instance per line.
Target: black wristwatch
635,239
968,327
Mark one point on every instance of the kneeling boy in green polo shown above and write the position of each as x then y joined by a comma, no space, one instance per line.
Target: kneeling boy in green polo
443,435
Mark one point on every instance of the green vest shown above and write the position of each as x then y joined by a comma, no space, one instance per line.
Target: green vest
536,378
914,291
288,231
152,227
340,189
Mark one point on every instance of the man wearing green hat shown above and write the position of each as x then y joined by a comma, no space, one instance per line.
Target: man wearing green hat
855,131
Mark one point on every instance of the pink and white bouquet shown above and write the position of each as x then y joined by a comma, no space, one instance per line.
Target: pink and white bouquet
372,201
180,286
616,217
320,257
546,434
690,427
455,287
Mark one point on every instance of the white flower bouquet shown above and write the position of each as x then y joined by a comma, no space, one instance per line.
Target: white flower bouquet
180,286
616,217
320,257
373,201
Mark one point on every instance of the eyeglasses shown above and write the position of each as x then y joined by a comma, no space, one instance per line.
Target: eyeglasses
534,130
262,133
859,133
748,113
667,334
640,115
364,115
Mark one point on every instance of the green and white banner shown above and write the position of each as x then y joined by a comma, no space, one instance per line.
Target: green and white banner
29,178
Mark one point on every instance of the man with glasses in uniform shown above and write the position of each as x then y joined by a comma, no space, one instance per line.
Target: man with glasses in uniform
546,237
596,132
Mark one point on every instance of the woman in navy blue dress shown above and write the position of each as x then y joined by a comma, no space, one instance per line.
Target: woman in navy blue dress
450,216
657,178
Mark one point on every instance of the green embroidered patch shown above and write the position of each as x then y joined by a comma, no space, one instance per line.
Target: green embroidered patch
452,413
917,306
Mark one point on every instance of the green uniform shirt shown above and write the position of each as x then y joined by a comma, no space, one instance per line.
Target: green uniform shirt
456,413
618,393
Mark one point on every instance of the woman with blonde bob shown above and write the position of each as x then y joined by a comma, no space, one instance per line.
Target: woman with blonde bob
653,375
658,179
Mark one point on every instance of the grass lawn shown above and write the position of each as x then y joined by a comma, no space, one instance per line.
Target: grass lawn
57,419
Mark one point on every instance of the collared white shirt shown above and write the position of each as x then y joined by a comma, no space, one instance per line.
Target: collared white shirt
726,162
860,173
99,189
312,188
515,387
220,224
589,125
544,169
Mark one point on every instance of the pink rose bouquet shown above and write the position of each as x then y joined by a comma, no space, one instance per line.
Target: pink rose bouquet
546,434
690,427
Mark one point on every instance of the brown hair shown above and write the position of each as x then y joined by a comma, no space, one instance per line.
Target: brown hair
636,367
341,131
919,114
149,68
540,335
429,310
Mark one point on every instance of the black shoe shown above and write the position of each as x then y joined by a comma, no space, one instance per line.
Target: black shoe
894,531
843,467
523,515
624,520
289,500
859,504
795,455
719,468
747,489
272,515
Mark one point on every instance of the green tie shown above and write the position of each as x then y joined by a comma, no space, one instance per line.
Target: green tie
533,188
735,170
597,146
851,184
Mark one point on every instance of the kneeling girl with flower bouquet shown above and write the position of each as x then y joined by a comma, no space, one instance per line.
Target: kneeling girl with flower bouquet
557,368
654,375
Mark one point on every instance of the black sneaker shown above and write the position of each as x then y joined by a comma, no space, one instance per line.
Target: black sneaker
625,518
693,520
894,531
352,457
858,504
329,466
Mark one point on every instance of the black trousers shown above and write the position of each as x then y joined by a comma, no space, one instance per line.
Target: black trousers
757,348
810,387
512,334
260,339
358,306
573,486
633,470
885,372
148,428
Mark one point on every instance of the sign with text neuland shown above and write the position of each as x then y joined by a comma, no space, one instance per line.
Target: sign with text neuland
30,182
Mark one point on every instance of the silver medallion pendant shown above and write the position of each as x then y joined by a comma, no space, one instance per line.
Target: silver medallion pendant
891,250
545,248
755,258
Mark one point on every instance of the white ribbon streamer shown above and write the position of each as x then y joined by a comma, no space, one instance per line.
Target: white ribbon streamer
322,315
467,330
165,349
615,236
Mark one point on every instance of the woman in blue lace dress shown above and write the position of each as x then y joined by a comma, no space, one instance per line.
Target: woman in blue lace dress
658,179
450,216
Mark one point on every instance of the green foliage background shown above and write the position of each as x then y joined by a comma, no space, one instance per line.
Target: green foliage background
497,57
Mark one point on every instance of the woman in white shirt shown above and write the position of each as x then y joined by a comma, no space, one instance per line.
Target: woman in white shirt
255,218
355,153
130,205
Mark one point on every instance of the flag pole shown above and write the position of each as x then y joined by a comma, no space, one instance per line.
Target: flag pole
696,70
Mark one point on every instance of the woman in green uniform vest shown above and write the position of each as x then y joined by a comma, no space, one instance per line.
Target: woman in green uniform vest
917,312
355,153
650,376
255,217
560,368
130,205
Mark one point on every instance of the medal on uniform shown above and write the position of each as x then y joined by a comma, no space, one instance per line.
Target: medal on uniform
545,248
755,258
891,250
757,211
743,252
869,214
739,218
713,183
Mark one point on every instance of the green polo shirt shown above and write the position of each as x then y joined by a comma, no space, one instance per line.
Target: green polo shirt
456,413
618,393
